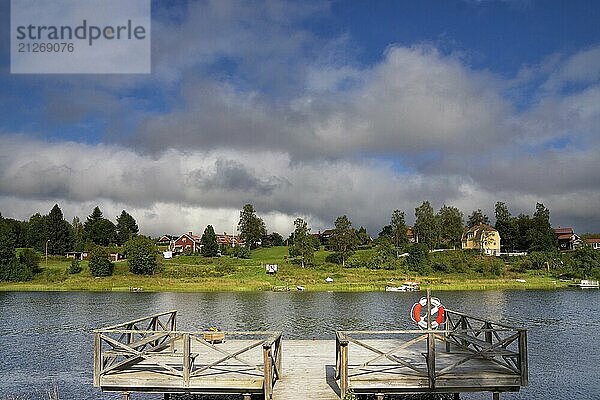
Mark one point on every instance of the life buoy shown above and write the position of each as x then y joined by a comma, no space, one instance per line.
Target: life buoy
436,308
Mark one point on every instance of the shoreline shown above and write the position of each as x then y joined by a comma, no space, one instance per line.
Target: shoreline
152,285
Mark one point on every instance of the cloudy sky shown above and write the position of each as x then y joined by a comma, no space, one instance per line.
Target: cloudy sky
316,109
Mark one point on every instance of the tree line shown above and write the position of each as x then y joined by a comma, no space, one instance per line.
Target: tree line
60,236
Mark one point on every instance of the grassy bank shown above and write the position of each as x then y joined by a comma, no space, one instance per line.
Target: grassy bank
199,274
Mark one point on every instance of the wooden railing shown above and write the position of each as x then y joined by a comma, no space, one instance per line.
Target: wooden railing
153,338
475,338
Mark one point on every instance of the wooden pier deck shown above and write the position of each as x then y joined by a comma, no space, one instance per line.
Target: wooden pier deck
470,354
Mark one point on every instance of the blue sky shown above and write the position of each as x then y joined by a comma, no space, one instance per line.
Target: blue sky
317,109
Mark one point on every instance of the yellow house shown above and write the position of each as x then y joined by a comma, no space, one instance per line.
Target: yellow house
482,237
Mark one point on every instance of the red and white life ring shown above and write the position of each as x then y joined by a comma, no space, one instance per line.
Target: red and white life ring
436,308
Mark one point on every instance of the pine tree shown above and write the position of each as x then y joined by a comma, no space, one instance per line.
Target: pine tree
126,227
477,217
99,230
58,232
210,247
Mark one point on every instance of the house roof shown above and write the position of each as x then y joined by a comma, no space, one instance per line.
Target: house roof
477,230
590,241
168,237
561,231
567,236
195,238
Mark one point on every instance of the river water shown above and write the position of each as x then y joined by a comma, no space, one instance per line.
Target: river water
46,340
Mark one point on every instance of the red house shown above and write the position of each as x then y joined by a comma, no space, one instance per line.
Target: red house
228,240
185,242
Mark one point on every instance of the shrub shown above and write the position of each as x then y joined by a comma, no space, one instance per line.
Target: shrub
418,258
335,258
99,264
141,255
75,267
30,259
188,251
15,271
241,252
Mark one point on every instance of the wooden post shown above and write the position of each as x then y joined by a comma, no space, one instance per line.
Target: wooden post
379,396
278,358
247,396
523,357
488,332
268,373
186,360
343,368
167,396
496,396
456,396
97,358
126,396
463,327
430,344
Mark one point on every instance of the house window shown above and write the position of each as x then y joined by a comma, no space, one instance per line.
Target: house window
184,240
470,235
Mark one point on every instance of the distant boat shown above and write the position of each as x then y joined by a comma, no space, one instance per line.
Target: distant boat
300,288
406,287
587,284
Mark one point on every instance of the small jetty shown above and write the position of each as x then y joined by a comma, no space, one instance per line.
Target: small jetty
465,354
587,284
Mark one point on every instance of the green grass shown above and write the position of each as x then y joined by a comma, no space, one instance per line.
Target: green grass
196,273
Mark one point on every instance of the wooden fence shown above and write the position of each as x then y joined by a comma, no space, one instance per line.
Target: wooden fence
155,339
495,346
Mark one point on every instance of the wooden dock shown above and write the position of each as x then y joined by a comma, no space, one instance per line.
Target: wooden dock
470,354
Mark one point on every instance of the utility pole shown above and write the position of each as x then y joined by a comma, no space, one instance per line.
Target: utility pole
47,241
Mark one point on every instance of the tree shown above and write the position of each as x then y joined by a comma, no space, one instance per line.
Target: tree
363,236
99,263
450,222
251,227
386,233
7,245
11,268
426,227
303,246
36,236
78,235
99,230
476,218
141,255
126,228
344,240
586,262
210,247
521,227
276,239
505,225
58,232
540,235
398,228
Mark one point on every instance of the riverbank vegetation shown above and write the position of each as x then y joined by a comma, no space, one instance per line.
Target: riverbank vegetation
449,270
348,256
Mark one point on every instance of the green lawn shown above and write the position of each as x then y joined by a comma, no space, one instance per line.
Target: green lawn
196,273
